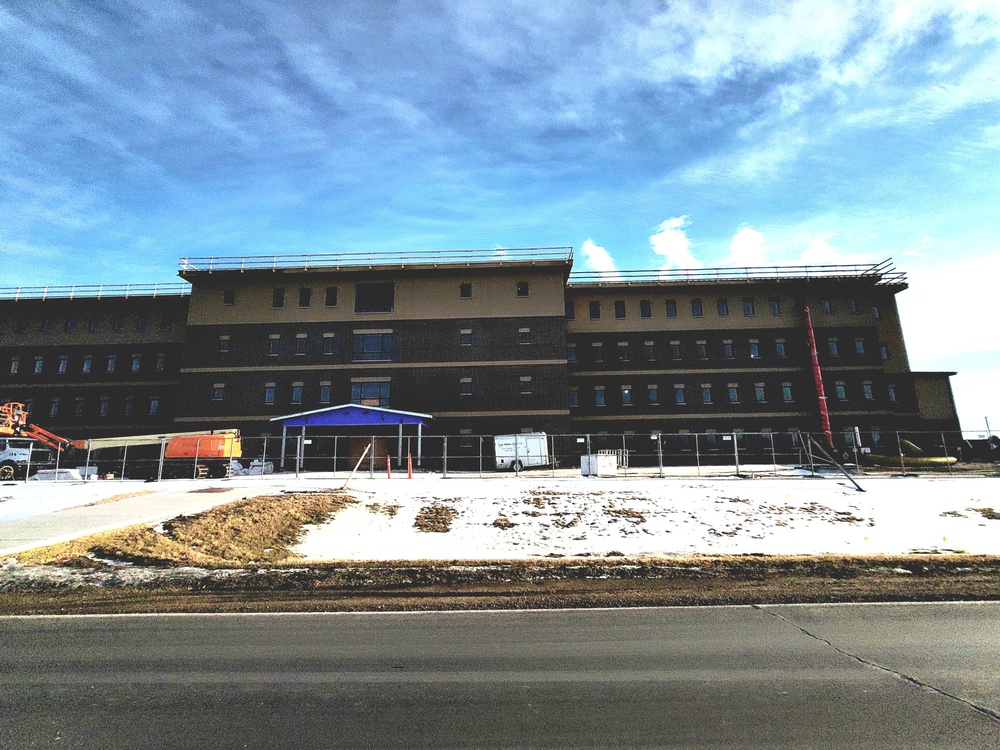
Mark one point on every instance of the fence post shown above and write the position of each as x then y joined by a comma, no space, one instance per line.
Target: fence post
27,469
444,452
334,456
298,455
263,458
624,455
58,453
659,452
944,444
736,454
857,448
809,453
697,454
774,460
163,452
197,451
899,447
517,459
480,456
124,457
371,458
552,453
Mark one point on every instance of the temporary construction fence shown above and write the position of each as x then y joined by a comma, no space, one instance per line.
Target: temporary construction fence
647,454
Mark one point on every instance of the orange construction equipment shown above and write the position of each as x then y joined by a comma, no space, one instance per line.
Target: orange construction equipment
14,421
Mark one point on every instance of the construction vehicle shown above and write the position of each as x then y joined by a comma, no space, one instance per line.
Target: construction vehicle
167,455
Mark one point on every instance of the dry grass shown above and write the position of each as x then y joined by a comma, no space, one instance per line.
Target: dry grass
435,518
987,513
502,522
627,513
386,510
251,531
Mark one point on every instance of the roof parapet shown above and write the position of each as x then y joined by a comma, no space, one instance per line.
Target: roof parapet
504,256
881,274
96,291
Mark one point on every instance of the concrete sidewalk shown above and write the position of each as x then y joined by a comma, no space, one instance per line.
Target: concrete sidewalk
71,523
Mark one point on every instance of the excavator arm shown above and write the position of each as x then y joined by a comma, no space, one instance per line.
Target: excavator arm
14,421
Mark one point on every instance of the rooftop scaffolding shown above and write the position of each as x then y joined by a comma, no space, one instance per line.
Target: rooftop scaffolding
96,291
881,274
380,259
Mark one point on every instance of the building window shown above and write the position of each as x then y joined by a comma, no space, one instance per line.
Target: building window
852,305
218,391
129,407
46,326
154,406
759,394
278,297
296,393
786,392
727,349
706,393
79,406
301,344
274,345
324,392
598,395
94,325
373,347
876,314
827,306
722,305
375,298
748,307
619,309
142,324
63,364
775,304
15,365
574,397
779,347
269,393
524,336
649,348
70,325
223,344
370,393
305,296
571,352
696,308
834,347
39,365
671,307
891,391
595,309
118,324
465,337
754,349
54,407
329,343
734,393
841,390
166,322
228,297
598,349
465,387
701,347
867,391
645,308
675,349
522,289
136,362
680,397
626,395
465,290
883,352
161,361
859,345
623,351
653,395
527,387
88,362
570,310
105,407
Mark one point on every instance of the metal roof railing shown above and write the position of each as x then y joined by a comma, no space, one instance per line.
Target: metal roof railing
379,259
883,273
96,291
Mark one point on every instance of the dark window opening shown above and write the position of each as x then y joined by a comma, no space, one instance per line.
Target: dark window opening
305,296
380,297
373,346
465,290
331,297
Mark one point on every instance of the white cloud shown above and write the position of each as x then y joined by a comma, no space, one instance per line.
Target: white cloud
673,244
600,260
746,248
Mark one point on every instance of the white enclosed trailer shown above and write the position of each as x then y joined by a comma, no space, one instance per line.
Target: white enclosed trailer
521,451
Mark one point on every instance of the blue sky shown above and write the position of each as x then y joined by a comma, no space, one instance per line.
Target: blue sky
645,134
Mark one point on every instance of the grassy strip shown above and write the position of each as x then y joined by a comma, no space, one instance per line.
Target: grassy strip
307,593
248,532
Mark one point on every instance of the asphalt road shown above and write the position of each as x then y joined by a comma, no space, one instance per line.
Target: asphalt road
878,676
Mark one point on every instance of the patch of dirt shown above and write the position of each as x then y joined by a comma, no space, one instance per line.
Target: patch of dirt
987,513
435,519
502,522
385,510
629,514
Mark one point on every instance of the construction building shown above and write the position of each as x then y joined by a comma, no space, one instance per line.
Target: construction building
487,342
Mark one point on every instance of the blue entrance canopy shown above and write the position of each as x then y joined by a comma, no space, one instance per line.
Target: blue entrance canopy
352,415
